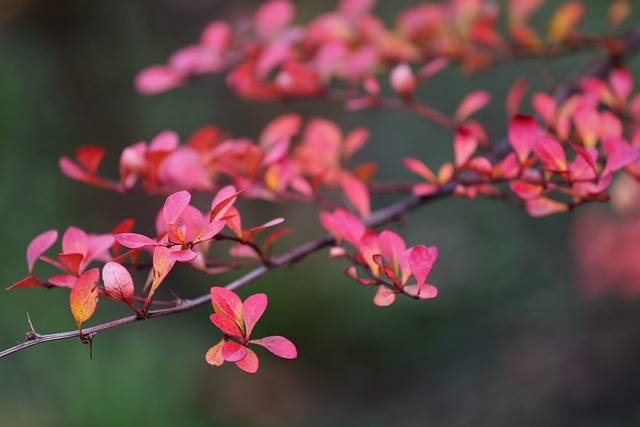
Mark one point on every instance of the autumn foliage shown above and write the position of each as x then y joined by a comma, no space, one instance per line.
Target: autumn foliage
581,137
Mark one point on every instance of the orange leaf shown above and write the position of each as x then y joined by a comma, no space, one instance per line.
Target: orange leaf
83,297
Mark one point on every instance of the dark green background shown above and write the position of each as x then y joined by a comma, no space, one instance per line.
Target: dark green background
510,341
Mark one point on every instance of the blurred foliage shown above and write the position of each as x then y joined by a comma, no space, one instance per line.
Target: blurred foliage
509,341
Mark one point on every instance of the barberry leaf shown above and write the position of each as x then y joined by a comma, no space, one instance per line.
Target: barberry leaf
227,325
233,352
250,363
39,245
135,240
227,303
83,297
118,282
252,309
421,262
174,205
31,281
384,297
280,346
214,355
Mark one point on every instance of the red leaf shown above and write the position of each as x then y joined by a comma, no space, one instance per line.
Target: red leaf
464,145
39,245
233,352
358,194
174,205
118,282
220,207
31,281
252,309
162,265
551,154
210,231
176,235
255,230
89,157
272,237
71,262
214,355
472,103
280,346
523,133
135,241
83,297
228,303
420,262
250,363
226,325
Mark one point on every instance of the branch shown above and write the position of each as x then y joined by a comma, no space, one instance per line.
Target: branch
380,217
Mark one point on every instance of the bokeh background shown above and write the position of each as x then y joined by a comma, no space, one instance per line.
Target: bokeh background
510,341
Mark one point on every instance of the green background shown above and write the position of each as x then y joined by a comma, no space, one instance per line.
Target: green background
510,341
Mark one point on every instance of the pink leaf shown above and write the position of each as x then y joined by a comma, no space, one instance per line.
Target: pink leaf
226,325
421,262
280,346
391,247
75,241
233,352
523,132
419,168
250,363
210,231
184,255
544,206
252,309
472,103
174,205
118,282
226,302
384,297
39,245
621,82
422,292
272,17
545,106
551,154
157,79
358,194
464,145
135,241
